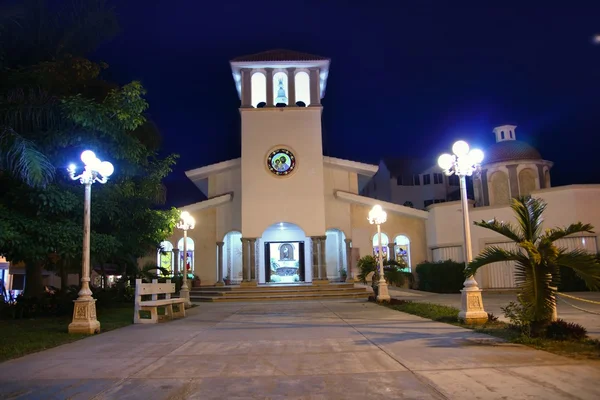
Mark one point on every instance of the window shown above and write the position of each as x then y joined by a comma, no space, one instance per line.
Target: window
438,178
426,179
384,245
165,256
259,88
188,264
417,180
302,87
502,134
453,180
402,250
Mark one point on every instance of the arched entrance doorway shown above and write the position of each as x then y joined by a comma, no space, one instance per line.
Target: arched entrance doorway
284,255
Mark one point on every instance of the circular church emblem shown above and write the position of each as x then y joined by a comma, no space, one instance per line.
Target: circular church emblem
281,162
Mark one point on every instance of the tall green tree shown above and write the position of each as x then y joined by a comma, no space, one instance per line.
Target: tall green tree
537,259
53,105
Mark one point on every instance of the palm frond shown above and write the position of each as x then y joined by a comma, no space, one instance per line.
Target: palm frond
536,290
558,233
491,255
529,216
585,265
504,228
21,158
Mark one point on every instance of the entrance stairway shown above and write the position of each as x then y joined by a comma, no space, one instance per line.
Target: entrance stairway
278,292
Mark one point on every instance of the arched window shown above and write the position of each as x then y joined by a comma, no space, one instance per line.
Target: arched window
302,87
526,182
280,88
384,244
502,134
402,250
189,260
165,256
500,191
259,88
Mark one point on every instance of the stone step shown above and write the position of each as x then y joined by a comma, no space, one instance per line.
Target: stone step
243,293
280,297
277,287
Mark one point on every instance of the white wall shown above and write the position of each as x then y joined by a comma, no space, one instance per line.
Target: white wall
337,213
297,198
229,215
565,205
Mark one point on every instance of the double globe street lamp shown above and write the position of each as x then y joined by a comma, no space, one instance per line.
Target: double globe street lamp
84,313
186,222
465,162
377,216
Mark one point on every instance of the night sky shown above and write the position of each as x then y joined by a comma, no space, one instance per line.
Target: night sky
408,78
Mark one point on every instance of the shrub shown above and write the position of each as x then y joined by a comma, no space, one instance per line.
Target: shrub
520,316
562,330
441,277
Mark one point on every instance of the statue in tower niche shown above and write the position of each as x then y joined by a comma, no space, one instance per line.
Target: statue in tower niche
281,97
286,252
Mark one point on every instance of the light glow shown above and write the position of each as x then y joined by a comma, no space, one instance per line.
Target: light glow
445,161
106,169
460,148
88,157
476,156
377,215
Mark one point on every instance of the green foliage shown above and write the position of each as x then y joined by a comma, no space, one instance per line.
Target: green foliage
53,105
562,330
441,277
432,311
538,260
392,270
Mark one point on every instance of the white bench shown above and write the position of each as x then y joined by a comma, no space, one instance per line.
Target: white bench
155,289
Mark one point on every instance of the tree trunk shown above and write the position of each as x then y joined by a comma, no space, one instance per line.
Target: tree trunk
34,286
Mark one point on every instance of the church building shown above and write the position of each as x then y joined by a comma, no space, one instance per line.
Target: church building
283,212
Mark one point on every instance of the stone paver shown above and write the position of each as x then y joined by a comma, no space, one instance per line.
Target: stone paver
345,349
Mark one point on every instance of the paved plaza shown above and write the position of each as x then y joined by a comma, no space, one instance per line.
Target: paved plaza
304,350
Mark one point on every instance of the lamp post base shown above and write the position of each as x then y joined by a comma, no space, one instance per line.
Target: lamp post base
184,293
383,295
471,308
84,317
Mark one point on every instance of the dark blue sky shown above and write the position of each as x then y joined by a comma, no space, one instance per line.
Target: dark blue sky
408,78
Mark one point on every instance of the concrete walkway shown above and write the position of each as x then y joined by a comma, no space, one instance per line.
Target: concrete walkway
494,301
304,350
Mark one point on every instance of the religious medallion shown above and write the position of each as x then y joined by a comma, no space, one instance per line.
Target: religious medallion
281,162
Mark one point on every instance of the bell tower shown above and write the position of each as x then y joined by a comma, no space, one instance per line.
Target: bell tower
282,154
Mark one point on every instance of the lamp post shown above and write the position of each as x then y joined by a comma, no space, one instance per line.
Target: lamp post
377,216
464,162
84,313
186,221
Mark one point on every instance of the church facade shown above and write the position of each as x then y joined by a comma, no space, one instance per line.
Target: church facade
283,212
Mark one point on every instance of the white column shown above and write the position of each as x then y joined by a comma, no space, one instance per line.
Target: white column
291,87
269,87
246,87
315,88
220,264
349,272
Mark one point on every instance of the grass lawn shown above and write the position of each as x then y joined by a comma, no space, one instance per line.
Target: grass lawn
24,336
583,349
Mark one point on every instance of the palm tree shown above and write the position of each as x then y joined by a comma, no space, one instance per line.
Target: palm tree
537,258
21,158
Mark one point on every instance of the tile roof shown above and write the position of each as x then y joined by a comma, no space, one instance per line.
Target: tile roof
509,150
279,55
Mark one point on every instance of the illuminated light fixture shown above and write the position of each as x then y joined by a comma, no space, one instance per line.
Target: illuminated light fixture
465,162
377,216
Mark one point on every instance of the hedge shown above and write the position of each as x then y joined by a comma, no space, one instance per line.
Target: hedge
441,277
